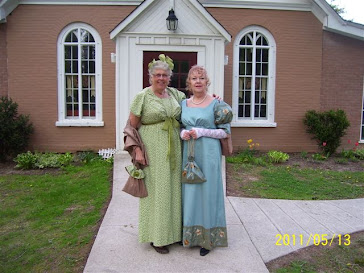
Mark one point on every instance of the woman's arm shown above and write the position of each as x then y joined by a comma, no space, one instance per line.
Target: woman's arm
134,122
202,132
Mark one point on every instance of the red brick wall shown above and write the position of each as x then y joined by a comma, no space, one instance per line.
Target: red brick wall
298,37
32,33
32,51
3,62
342,80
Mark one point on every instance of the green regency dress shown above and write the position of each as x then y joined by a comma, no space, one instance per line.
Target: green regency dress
160,214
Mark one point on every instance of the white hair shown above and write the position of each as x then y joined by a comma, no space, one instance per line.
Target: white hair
158,65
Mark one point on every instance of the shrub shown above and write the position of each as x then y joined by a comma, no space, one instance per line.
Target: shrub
359,153
348,154
327,128
15,129
42,160
277,157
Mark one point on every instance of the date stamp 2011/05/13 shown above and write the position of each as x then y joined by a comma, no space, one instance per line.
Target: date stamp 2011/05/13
316,239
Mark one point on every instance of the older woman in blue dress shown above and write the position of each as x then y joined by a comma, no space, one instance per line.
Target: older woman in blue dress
204,223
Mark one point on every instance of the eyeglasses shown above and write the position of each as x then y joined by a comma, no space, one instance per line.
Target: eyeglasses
164,76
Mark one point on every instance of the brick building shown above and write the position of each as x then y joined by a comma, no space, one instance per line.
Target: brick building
75,66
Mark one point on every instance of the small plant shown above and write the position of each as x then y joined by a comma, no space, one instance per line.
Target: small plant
15,129
244,156
327,128
88,156
304,155
26,161
65,159
260,161
252,146
359,153
277,157
353,154
354,159
348,154
110,160
248,156
47,160
319,157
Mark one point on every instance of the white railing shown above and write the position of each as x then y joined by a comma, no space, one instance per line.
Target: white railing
107,153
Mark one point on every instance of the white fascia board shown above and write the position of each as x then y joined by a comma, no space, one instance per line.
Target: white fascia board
212,20
262,4
82,2
349,31
2,16
320,8
6,7
334,23
130,18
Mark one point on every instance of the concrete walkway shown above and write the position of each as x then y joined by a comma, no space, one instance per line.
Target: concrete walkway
253,227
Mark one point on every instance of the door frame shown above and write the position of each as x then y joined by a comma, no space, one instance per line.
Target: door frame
176,56
129,69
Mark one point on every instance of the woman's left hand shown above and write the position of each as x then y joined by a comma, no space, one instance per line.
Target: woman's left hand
217,97
185,134
193,134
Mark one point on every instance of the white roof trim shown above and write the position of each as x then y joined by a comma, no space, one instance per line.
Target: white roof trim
320,8
334,23
82,2
259,4
6,7
330,19
212,20
130,18
145,5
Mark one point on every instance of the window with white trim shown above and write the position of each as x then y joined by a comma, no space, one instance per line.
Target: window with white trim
79,76
254,78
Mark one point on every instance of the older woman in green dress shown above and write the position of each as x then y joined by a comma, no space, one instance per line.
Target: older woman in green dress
157,108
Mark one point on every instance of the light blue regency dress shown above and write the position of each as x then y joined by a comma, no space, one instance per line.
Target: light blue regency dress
160,213
204,221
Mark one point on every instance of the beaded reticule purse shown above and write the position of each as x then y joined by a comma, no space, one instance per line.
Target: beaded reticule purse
191,172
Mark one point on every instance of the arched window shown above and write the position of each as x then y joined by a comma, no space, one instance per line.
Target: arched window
79,76
254,78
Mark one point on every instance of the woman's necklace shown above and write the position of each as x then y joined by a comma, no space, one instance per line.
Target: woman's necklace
197,103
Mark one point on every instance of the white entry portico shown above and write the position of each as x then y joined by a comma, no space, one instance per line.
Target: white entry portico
145,30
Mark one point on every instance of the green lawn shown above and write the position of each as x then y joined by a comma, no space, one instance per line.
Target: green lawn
253,176
48,221
338,258
307,184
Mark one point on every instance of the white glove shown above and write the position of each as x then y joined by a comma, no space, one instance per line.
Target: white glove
183,132
213,133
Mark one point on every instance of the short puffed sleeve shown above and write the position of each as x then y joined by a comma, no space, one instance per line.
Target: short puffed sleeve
137,105
178,95
223,116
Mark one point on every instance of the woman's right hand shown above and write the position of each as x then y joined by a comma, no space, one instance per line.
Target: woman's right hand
139,156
